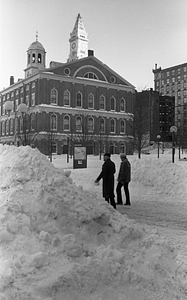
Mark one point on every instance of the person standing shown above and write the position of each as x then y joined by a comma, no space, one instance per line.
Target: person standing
124,177
107,174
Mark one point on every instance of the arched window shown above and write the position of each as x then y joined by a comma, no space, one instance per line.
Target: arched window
102,102
79,124
122,104
67,98
79,99
112,148
33,119
90,124
66,123
122,126
11,126
53,122
53,147
54,96
39,58
122,148
90,100
102,125
112,126
7,127
90,75
112,103
33,58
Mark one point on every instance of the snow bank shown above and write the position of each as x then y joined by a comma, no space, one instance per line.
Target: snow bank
60,242
166,177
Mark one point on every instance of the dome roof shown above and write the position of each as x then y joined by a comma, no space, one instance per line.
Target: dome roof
36,46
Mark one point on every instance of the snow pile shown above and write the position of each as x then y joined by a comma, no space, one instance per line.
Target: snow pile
60,242
165,176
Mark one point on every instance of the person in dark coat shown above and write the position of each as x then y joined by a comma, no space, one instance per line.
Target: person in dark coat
124,177
107,174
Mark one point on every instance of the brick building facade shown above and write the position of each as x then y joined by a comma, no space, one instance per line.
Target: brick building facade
80,100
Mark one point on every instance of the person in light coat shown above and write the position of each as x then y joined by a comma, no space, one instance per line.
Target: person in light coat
124,177
107,174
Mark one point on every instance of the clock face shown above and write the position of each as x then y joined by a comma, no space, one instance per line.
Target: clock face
73,45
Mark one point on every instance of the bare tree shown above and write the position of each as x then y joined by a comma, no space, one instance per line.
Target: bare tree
141,126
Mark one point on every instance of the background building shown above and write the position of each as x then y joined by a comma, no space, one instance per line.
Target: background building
80,100
172,81
148,101
166,117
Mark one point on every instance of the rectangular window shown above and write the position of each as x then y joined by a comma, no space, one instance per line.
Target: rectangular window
27,100
16,105
33,99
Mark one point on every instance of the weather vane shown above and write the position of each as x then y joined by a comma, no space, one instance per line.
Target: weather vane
36,35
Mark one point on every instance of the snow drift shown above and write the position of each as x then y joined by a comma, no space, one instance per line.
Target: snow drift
58,241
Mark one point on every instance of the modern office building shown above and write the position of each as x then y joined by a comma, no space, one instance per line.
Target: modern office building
79,100
172,81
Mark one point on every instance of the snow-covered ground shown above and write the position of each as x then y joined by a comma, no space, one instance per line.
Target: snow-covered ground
60,240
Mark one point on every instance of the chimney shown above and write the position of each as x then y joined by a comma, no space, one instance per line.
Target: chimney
90,53
11,80
155,66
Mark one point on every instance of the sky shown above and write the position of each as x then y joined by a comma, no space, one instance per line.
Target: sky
129,36
59,239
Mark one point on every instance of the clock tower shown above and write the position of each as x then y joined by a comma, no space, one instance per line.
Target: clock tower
78,41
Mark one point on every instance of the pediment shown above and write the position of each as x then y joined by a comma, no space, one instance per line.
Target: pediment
89,68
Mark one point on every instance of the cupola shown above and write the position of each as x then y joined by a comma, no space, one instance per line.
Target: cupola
35,58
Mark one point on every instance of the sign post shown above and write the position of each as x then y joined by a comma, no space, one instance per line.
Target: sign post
79,156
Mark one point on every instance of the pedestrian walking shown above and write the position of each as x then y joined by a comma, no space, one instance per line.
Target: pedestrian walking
107,174
124,177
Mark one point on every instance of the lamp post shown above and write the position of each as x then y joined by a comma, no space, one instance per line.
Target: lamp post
173,130
158,138
23,110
